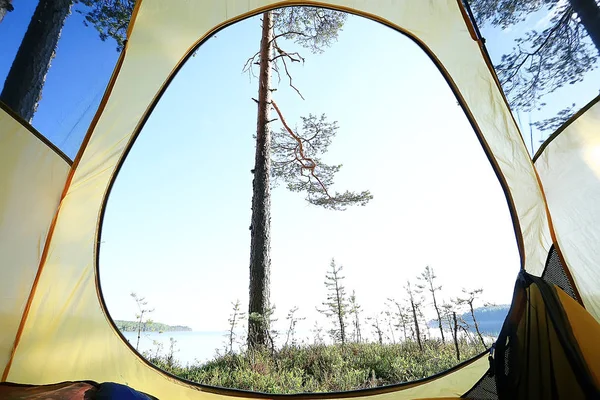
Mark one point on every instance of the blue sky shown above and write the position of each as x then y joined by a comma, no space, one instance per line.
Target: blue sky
388,143
176,225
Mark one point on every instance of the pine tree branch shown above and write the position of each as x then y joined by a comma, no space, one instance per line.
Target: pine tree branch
248,64
286,34
303,159
530,55
287,72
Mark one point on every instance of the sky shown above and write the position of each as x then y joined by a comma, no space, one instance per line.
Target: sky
176,229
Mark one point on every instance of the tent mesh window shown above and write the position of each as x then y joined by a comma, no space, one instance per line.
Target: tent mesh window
506,361
554,273
485,389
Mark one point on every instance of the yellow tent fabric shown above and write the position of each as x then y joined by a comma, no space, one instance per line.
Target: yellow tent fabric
569,169
541,351
586,331
64,332
32,177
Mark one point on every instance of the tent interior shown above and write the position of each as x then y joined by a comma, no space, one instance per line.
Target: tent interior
52,209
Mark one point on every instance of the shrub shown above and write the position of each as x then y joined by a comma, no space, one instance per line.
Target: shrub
321,368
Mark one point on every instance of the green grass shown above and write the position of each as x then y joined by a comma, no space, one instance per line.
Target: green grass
321,368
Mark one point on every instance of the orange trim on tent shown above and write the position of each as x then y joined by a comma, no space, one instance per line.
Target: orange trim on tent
152,105
564,126
55,218
475,34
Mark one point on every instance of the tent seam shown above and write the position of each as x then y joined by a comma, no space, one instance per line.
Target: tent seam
52,226
555,240
35,133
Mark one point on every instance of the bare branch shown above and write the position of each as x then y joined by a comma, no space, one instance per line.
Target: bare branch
249,63
287,72
275,68
286,34
288,55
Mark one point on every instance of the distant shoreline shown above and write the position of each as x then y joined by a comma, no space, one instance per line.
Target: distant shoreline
132,326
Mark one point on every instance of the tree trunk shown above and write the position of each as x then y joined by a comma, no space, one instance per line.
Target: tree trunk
5,6
340,312
437,310
391,326
455,336
260,242
476,325
416,321
24,83
379,332
137,345
588,12
402,320
357,328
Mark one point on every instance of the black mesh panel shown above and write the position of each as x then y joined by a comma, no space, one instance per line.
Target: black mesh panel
485,389
554,273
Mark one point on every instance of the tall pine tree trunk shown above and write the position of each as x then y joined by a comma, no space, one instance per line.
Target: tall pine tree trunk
260,246
24,83
340,313
588,12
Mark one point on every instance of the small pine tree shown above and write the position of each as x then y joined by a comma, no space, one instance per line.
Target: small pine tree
235,317
290,336
142,310
415,303
336,306
402,319
355,311
376,325
317,332
389,321
469,297
427,279
170,359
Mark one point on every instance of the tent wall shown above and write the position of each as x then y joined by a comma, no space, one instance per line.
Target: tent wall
32,177
68,335
586,331
569,169
546,348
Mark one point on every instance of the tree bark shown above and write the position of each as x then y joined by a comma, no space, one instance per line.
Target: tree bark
588,12
260,242
24,83
455,337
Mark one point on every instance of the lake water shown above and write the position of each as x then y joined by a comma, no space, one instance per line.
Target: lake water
190,346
